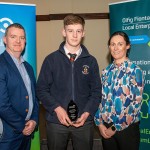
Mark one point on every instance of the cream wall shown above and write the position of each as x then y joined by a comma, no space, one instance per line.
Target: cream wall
49,32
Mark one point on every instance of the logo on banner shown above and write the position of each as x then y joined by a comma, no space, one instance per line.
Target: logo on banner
4,23
146,104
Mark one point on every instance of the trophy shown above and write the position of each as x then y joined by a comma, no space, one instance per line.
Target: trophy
72,111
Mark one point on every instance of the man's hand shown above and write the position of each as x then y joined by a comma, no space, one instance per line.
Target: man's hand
63,116
29,127
80,121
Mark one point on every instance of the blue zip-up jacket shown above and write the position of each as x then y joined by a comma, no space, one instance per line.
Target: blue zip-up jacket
60,81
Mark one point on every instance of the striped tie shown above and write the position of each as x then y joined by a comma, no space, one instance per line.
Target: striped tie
72,57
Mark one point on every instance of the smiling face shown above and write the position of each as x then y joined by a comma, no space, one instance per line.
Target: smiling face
73,34
15,41
118,48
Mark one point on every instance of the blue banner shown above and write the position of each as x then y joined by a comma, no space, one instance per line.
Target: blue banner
25,14
133,17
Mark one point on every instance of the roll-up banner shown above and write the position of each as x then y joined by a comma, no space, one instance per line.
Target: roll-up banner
133,17
25,14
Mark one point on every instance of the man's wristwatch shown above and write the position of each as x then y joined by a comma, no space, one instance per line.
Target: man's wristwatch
113,128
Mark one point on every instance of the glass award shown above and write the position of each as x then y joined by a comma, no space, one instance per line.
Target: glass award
72,111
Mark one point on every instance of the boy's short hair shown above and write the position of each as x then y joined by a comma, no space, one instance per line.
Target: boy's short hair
73,19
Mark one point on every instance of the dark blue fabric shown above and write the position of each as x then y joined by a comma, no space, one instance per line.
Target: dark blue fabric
14,102
54,86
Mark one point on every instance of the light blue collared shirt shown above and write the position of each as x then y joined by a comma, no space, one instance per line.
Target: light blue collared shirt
26,81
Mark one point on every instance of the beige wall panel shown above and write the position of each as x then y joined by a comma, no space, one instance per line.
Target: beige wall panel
48,6
96,40
60,6
48,39
90,6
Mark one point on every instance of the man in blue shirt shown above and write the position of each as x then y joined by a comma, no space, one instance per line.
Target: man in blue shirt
18,103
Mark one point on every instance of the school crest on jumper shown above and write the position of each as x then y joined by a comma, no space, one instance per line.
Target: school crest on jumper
85,69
